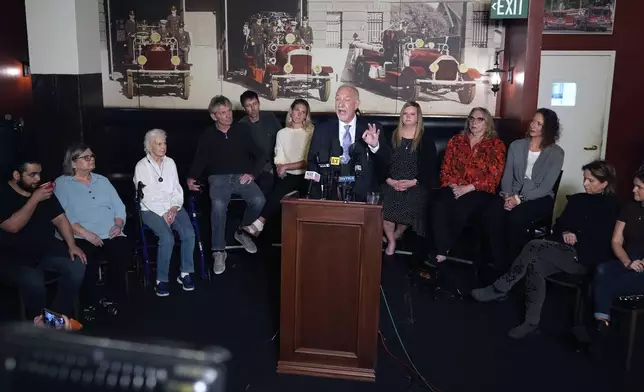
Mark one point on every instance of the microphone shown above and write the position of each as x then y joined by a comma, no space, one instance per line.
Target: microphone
346,186
312,177
356,151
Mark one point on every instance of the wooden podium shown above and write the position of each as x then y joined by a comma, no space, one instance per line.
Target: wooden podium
330,299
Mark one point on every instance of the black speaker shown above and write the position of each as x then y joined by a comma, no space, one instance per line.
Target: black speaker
42,359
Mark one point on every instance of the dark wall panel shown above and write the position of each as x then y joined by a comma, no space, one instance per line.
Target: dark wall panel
625,147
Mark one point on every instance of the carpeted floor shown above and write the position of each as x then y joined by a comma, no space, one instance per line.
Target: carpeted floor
458,345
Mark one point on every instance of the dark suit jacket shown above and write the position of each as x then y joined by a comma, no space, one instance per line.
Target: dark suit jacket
325,143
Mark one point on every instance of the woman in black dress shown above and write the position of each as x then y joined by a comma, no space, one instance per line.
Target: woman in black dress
412,175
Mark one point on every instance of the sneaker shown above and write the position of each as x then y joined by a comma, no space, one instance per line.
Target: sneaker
162,289
486,294
220,262
524,330
186,283
89,313
110,307
246,242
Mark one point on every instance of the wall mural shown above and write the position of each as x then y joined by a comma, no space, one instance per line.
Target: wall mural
579,16
165,54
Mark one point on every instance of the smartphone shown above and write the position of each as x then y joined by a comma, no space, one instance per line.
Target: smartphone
52,319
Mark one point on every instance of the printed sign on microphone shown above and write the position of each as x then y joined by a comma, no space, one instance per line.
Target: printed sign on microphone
311,175
335,161
346,179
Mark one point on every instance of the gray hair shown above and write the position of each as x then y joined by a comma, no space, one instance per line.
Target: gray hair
351,87
150,136
72,153
218,101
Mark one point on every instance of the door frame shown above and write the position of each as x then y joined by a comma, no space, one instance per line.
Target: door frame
609,90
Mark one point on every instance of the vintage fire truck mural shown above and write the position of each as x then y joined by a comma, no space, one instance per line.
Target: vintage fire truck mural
159,54
408,66
158,63
278,58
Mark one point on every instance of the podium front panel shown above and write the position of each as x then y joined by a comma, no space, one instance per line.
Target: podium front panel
331,255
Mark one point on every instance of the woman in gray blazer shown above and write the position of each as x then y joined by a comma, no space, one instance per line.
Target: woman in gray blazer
532,168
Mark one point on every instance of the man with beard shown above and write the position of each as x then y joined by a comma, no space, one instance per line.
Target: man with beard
264,126
352,141
28,216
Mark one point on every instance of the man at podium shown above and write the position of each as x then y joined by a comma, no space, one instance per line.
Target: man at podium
349,148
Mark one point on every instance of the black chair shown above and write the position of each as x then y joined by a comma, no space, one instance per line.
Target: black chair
542,227
50,278
633,306
581,284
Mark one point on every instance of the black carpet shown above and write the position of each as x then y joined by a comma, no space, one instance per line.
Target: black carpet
457,344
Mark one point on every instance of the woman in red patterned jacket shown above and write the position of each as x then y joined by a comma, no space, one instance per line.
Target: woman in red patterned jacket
471,171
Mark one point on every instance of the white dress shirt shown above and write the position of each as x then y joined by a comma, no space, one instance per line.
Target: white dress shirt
159,197
352,131
292,145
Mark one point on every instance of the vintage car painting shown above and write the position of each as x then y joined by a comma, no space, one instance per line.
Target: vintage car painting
410,66
157,64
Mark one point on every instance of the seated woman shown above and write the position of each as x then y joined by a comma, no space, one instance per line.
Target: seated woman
624,276
470,174
531,171
580,240
97,215
411,177
162,212
291,150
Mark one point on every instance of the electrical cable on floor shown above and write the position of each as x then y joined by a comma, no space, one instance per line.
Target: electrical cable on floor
402,345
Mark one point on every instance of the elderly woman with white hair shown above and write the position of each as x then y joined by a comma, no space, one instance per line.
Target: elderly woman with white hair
161,211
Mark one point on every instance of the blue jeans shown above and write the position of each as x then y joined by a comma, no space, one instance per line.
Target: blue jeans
612,280
221,188
181,225
30,281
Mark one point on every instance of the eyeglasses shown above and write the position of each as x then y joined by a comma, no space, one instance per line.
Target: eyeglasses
476,120
87,158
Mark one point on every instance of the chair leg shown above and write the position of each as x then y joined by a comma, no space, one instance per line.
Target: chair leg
631,340
579,308
23,309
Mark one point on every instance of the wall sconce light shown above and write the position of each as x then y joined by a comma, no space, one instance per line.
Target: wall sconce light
495,74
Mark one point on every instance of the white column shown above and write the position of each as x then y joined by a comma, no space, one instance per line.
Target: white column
63,37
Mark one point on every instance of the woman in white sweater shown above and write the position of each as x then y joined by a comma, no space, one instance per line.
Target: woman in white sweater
291,149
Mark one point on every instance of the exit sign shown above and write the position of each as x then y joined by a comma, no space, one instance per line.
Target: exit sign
509,9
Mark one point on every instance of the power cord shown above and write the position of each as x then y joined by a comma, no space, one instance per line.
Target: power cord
411,366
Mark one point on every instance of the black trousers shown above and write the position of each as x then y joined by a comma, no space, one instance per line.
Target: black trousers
450,215
266,181
507,230
118,252
289,183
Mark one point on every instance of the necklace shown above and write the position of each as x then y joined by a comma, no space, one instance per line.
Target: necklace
155,170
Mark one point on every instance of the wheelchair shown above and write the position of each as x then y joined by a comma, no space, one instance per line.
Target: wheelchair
142,247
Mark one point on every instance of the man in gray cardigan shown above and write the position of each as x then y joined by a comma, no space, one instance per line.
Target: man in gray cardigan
532,169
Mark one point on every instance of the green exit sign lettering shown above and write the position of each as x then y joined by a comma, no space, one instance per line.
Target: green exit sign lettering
509,9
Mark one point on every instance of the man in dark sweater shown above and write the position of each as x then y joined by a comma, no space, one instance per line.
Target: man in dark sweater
264,126
232,161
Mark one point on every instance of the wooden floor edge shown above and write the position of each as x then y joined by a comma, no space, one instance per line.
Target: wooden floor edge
326,371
